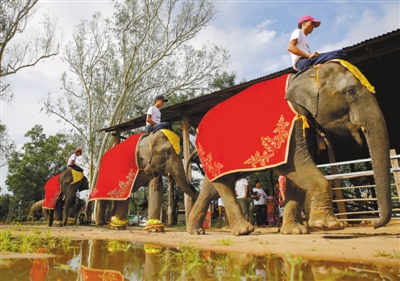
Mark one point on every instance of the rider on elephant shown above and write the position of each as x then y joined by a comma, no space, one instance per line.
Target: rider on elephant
72,160
153,119
302,56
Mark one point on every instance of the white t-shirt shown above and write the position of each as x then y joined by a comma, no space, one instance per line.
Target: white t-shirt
73,157
220,203
302,44
240,187
155,114
261,199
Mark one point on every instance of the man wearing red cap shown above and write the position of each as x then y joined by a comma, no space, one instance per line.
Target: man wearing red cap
299,49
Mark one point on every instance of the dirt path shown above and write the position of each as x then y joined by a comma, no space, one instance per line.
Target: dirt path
361,244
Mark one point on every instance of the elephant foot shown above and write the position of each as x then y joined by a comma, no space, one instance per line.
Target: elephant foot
117,224
154,225
324,220
194,228
58,224
294,228
70,221
116,227
241,227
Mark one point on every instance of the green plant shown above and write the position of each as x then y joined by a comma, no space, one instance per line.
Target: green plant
394,255
224,242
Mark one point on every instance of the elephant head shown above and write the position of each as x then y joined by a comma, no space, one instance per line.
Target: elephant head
65,207
162,155
342,101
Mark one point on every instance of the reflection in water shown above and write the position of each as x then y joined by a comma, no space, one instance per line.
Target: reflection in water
111,260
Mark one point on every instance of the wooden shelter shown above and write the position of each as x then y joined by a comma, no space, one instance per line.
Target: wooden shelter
378,58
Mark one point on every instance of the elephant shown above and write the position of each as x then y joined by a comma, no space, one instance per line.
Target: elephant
340,101
67,203
37,212
156,157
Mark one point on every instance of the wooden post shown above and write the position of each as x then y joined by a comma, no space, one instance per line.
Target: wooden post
395,164
186,156
171,202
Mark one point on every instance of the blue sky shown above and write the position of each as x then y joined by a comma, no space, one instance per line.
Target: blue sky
255,32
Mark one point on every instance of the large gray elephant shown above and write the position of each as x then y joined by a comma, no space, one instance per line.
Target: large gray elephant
156,157
67,203
37,212
338,102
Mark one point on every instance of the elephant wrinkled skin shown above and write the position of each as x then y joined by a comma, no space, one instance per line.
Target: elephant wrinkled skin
155,157
339,103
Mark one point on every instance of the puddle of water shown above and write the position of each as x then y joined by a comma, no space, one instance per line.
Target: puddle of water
111,260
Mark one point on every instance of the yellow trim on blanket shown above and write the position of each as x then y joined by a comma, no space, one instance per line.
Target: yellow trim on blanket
173,139
357,73
76,176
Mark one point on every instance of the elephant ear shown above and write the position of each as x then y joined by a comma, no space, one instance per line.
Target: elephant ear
302,90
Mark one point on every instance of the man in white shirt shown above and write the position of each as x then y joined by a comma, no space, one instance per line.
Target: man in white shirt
71,163
241,189
153,119
302,56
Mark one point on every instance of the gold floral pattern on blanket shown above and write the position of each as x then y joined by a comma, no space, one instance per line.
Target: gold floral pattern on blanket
212,168
270,144
120,192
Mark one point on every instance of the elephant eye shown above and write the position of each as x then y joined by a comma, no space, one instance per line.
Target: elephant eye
351,94
167,153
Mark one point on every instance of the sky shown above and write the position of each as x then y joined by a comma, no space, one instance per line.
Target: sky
256,33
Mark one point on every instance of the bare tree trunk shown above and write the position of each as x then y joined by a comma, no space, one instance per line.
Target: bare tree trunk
10,215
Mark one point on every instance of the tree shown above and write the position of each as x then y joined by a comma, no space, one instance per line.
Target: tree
41,158
6,145
119,65
20,46
223,81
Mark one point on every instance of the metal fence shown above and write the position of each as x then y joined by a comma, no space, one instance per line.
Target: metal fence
358,202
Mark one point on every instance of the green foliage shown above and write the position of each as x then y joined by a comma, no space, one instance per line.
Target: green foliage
28,170
7,146
223,81
5,201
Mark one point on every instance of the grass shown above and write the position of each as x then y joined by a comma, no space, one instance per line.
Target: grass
224,242
21,240
394,255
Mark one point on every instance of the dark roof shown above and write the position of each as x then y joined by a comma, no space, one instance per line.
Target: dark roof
359,55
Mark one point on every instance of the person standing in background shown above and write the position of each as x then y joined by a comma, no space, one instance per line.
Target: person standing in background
221,210
241,189
259,197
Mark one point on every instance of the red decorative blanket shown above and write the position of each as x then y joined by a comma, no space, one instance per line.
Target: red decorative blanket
52,190
91,274
247,132
117,172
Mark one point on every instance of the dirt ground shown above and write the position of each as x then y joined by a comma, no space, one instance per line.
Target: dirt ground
357,244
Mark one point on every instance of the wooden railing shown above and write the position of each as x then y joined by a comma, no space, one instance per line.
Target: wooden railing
359,202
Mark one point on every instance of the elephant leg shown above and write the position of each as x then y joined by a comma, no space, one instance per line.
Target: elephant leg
292,220
119,221
238,223
155,198
101,212
69,208
51,217
58,210
194,223
301,170
156,191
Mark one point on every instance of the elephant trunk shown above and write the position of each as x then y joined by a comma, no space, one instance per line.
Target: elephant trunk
378,144
179,175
